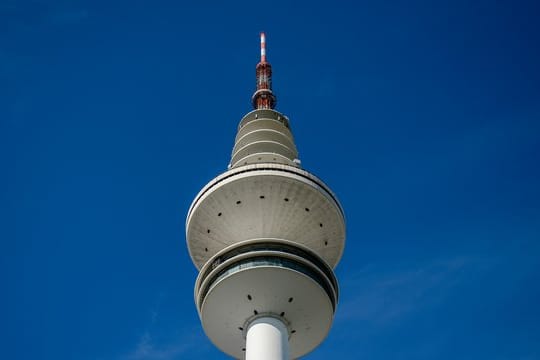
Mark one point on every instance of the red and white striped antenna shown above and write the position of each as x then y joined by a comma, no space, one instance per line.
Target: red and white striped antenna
263,47
263,98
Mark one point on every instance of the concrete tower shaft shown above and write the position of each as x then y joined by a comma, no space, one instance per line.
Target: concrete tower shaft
265,236
264,136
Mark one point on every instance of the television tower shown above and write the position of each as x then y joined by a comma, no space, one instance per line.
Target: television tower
265,236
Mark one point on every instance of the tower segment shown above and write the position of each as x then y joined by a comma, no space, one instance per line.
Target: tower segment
265,236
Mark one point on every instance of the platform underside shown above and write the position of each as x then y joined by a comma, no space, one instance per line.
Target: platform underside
263,201
302,304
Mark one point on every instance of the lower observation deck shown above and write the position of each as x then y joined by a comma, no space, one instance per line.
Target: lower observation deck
266,278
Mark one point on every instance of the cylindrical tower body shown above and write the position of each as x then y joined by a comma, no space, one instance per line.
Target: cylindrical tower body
267,339
265,236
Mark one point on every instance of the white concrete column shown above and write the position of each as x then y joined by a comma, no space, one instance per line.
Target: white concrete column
267,339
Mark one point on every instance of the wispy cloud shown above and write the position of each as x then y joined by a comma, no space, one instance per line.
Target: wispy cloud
151,346
379,296
147,349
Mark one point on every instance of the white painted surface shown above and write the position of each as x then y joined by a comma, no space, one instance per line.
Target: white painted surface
296,206
265,312
227,308
267,339
264,132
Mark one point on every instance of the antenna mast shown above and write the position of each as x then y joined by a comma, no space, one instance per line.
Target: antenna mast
263,98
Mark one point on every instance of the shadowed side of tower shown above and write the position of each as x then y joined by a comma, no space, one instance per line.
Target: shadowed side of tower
265,236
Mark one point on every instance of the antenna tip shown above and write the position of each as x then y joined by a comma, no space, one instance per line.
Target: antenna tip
263,47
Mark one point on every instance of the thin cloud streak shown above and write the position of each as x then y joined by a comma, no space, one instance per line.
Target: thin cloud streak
147,349
381,297
149,346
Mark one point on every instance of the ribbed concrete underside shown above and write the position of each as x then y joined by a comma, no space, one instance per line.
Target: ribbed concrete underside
265,201
305,307
264,136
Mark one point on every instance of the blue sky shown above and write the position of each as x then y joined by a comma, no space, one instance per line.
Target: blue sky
422,116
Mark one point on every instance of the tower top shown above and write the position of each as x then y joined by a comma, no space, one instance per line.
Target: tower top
263,47
263,98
